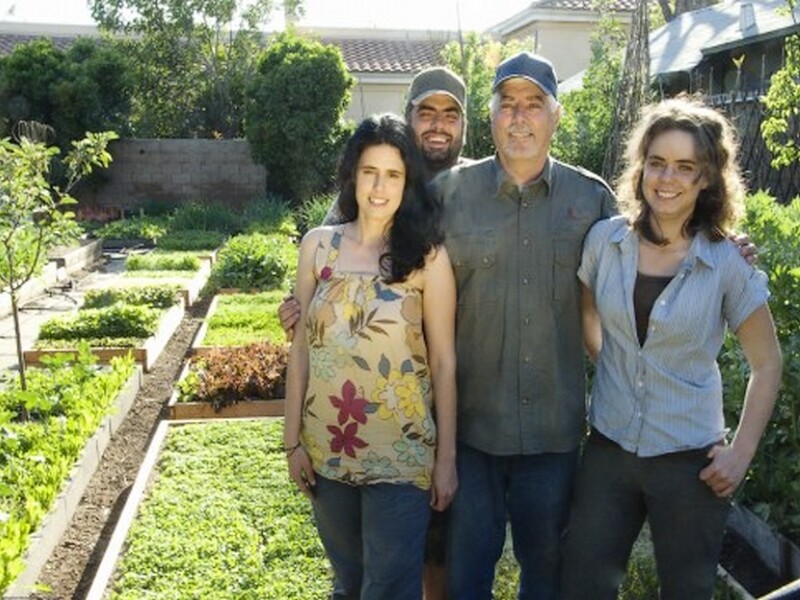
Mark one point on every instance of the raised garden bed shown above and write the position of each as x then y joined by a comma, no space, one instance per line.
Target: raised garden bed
231,383
54,524
236,319
758,558
244,409
212,514
191,284
72,258
144,354
63,262
123,244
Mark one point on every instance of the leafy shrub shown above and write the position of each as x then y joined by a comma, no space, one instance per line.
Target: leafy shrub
67,399
113,321
154,296
207,216
158,208
139,227
773,482
191,240
225,376
168,275
86,88
313,211
241,319
295,134
254,262
163,262
270,215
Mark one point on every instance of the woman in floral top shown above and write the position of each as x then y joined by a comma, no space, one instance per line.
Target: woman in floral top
377,296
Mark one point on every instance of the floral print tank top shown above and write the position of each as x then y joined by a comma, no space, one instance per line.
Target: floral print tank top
367,411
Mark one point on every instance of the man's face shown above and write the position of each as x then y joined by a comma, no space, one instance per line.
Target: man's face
438,124
524,120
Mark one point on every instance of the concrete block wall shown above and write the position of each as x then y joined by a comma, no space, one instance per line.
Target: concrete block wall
177,170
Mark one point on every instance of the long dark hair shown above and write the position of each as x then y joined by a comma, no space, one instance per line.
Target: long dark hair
415,228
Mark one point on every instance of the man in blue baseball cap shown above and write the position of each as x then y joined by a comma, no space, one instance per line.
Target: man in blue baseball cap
514,225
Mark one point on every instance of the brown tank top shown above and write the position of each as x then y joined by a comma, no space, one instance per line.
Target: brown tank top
645,292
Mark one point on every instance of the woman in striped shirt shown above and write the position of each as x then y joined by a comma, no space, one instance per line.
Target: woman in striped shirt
661,285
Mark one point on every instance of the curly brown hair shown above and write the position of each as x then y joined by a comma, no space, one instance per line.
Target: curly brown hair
720,204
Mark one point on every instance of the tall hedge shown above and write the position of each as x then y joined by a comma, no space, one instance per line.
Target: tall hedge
86,88
294,120
773,481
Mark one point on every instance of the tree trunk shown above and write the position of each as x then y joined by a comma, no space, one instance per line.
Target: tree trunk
666,10
23,382
632,92
682,6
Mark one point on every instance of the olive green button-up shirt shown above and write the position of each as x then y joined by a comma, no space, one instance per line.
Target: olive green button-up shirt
516,252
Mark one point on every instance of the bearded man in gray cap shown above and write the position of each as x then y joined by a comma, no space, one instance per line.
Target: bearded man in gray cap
514,226
435,109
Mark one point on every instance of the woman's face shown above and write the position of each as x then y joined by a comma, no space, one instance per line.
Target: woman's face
380,179
671,178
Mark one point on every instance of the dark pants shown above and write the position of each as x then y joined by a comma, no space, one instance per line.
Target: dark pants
532,493
615,491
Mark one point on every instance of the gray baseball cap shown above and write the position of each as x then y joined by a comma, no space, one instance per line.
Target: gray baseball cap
437,80
532,67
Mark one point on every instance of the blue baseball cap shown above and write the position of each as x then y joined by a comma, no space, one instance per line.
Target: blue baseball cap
532,67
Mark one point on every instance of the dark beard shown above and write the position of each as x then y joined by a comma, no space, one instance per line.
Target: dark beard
436,164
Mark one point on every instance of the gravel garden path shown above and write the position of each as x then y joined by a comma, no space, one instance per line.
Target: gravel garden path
69,572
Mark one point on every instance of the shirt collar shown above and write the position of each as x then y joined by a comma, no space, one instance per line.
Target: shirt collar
700,249
505,183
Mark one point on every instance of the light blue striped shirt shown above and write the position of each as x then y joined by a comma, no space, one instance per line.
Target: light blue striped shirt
666,395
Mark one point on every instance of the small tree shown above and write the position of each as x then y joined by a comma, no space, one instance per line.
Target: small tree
294,120
586,124
475,58
192,59
32,210
781,125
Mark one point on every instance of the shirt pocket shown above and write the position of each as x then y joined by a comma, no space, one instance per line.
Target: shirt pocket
474,259
566,260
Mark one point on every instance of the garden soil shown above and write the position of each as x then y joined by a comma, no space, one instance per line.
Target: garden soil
70,570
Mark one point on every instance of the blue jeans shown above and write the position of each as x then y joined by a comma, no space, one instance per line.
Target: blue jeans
374,536
614,493
532,492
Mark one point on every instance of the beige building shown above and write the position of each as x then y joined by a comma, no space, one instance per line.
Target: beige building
383,62
561,30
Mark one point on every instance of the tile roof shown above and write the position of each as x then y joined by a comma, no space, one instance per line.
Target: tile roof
618,5
361,55
388,55
8,41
